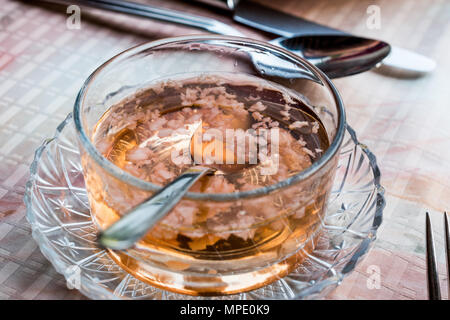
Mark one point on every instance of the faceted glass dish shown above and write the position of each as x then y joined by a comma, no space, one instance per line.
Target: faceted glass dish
59,213
232,262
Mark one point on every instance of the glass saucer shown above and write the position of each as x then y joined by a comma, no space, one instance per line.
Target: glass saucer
59,214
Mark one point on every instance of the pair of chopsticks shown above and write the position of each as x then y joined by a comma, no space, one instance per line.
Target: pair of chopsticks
434,290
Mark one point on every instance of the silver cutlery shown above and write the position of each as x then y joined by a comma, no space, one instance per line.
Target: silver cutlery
132,226
258,16
434,291
135,223
337,55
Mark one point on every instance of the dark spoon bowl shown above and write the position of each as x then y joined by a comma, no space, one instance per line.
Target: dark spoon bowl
337,55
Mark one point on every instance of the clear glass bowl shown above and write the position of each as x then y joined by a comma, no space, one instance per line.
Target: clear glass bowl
292,210
60,217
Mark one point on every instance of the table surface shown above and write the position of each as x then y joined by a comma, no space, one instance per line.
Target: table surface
404,121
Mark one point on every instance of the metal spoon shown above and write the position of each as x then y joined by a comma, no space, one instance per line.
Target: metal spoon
131,227
336,55
124,233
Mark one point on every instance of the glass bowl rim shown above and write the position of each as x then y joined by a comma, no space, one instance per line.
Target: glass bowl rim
218,197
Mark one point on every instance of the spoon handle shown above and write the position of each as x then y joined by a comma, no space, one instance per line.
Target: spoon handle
152,12
125,232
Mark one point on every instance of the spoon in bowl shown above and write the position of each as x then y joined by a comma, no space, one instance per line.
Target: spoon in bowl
125,232
132,226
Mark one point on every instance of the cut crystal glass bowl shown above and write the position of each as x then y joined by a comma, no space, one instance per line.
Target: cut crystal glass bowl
59,214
